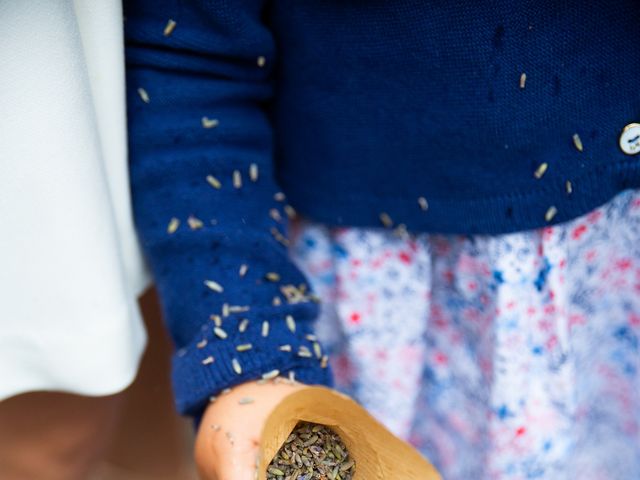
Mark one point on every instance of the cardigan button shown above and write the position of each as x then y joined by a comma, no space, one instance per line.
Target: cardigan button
630,139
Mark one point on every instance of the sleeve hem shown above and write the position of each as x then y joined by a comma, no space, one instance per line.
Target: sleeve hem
210,364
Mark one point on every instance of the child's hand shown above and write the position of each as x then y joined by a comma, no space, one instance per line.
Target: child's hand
229,435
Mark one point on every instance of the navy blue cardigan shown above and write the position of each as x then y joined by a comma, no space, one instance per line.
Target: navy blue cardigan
468,116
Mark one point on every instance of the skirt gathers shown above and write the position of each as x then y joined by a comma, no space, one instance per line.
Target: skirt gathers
499,357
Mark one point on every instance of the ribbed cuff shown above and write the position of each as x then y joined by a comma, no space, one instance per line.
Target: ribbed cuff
206,366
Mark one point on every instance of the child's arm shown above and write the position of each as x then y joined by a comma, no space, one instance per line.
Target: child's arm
202,192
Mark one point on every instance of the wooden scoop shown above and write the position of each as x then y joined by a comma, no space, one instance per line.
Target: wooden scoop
379,455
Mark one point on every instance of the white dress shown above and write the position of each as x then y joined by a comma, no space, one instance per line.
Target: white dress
70,265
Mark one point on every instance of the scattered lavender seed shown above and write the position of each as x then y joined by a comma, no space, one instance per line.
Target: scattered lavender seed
174,223
275,214
401,231
235,364
279,237
213,285
253,172
220,333
386,220
324,361
292,294
291,323
210,122
304,352
290,211
272,277
238,308
194,223
144,96
209,360
270,375
577,142
214,182
169,27
540,171
237,179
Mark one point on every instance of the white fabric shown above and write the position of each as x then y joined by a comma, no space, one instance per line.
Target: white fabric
70,265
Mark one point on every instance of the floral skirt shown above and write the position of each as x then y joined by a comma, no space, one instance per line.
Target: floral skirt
499,357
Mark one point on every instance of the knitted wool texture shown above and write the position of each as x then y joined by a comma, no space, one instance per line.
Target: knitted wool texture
354,109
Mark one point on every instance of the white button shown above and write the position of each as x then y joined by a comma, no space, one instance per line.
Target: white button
630,139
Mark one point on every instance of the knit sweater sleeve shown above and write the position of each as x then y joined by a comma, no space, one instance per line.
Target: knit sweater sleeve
199,80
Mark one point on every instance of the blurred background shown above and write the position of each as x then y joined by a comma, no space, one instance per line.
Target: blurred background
150,440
